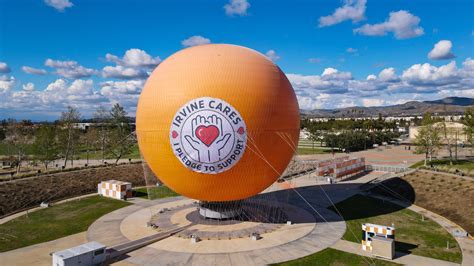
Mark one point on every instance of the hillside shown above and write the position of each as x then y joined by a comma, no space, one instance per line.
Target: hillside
450,105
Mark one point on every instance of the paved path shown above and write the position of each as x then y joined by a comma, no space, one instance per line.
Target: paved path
466,244
39,254
402,258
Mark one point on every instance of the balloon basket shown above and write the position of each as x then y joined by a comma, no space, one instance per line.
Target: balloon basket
222,210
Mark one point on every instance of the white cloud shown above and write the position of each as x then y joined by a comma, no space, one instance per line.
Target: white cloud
70,69
110,88
351,50
122,72
237,7
402,23
6,84
351,10
28,86
195,40
4,68
59,5
34,71
371,77
334,74
428,75
272,55
135,64
441,50
372,102
330,82
134,58
388,75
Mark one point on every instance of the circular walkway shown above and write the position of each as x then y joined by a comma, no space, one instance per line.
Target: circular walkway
309,234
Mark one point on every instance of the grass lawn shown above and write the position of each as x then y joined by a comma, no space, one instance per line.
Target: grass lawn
335,258
96,154
55,222
462,165
154,193
412,235
316,150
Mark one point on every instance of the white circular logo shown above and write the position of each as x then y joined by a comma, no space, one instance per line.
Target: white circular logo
208,135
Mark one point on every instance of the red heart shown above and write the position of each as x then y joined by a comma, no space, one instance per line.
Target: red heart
207,135
174,134
241,130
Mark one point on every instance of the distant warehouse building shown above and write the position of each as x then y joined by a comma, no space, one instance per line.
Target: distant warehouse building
455,130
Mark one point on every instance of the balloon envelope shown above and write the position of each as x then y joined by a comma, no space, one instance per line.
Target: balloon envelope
217,122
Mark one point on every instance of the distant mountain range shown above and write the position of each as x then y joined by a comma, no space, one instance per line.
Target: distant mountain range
448,106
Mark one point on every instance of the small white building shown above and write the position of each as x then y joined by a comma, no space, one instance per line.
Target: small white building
115,189
92,253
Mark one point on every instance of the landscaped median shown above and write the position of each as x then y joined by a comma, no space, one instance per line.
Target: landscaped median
55,222
460,167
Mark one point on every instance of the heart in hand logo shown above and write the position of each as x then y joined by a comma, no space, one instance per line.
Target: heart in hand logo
207,138
208,135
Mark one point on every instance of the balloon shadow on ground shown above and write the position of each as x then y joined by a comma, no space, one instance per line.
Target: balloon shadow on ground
344,199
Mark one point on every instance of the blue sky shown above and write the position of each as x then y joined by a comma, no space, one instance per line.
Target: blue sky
329,49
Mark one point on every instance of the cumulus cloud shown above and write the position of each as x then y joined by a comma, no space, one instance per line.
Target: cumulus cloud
110,88
70,69
441,50
428,75
6,83
28,86
195,40
351,10
388,75
121,72
372,102
34,71
371,77
4,68
272,55
59,5
135,64
402,23
386,88
134,58
237,7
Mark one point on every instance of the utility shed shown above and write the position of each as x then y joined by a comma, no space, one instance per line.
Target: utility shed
91,253
115,189
383,247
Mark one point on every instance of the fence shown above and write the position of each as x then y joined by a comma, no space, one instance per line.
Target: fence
387,168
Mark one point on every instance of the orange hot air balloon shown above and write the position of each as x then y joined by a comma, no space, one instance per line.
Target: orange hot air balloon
217,122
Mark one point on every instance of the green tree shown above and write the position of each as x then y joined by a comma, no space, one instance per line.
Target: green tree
427,119
121,135
18,137
428,141
468,121
45,146
102,130
69,135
